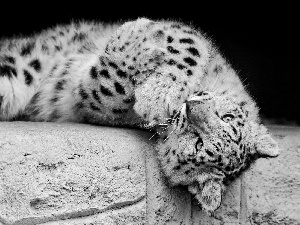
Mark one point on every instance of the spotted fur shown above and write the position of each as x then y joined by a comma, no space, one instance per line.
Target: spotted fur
162,75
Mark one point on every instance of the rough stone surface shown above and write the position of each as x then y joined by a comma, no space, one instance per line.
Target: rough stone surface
75,174
272,187
59,171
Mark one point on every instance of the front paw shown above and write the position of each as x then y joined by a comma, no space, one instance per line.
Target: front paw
209,195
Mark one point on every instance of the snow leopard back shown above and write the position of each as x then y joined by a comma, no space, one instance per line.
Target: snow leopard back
30,66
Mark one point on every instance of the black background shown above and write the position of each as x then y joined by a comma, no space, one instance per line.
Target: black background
260,41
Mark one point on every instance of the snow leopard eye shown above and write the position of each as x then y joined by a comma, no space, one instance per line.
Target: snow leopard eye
228,117
202,93
199,144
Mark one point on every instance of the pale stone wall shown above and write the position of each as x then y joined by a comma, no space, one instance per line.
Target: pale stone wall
75,174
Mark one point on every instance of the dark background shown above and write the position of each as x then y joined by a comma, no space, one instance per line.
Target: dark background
260,41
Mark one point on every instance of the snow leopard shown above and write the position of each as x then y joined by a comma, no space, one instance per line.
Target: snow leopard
164,76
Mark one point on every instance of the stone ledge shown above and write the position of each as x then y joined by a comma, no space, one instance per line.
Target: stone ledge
73,174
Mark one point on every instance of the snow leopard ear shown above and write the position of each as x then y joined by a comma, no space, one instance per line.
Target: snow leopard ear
264,144
210,197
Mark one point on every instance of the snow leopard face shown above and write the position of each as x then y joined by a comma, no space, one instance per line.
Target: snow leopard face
210,142
213,133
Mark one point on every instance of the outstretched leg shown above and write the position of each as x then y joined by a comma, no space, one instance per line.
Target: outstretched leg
160,97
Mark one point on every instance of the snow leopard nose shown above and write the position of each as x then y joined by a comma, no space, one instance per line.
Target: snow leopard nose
199,108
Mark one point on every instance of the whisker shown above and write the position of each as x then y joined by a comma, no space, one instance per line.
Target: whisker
202,87
218,87
152,136
216,81
165,139
243,81
206,86
169,135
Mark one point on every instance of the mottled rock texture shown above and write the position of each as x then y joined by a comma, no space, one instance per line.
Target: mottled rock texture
75,174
